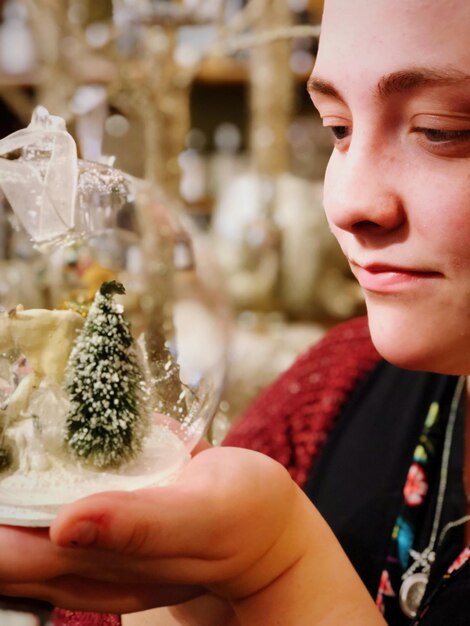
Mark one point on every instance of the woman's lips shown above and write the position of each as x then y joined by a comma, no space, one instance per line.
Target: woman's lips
391,279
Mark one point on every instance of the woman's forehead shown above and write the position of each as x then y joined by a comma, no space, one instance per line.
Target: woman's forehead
384,36
405,8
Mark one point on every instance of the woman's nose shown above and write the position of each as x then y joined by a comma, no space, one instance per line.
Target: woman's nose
362,194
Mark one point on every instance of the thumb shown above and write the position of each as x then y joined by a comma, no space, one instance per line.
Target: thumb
147,522
92,516
158,521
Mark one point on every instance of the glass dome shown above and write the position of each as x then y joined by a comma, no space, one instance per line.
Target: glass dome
111,347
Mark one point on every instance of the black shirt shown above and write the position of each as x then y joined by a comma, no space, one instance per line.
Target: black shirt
357,484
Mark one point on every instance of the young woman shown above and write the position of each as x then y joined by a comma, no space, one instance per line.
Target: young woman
380,447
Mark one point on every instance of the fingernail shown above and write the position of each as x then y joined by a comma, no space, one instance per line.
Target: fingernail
83,534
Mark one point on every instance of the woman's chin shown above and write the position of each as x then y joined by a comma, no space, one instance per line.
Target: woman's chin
408,359
419,346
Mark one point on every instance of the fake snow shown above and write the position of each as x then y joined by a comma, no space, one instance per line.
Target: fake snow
33,498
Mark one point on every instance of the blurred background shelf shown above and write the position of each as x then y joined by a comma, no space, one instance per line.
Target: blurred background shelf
207,99
212,108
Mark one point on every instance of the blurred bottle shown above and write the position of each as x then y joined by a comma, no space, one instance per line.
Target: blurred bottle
17,49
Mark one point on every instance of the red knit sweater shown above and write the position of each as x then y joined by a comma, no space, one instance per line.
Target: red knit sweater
291,419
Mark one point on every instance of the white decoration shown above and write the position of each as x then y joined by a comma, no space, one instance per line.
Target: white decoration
41,186
45,339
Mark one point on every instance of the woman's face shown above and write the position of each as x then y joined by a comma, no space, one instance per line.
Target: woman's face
392,80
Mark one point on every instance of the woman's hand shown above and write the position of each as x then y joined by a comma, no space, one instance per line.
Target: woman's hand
206,610
213,529
234,524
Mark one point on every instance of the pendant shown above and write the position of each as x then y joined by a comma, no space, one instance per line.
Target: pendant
412,592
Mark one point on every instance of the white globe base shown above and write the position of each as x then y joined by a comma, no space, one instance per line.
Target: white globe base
33,498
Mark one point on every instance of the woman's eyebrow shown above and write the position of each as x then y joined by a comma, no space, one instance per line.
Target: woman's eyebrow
405,80
316,84
413,78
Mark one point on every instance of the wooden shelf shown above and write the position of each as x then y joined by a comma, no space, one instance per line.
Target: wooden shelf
222,71
18,80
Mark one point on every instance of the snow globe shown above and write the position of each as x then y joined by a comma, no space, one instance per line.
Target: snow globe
112,366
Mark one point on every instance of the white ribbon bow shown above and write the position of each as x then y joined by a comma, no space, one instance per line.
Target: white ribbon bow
41,185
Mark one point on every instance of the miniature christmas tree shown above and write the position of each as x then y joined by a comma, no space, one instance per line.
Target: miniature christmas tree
108,420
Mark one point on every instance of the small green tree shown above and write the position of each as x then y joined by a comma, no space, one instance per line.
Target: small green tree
108,418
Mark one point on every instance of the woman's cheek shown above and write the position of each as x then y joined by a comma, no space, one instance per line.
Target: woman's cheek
331,191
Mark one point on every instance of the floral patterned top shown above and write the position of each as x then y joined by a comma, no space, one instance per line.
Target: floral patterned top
380,470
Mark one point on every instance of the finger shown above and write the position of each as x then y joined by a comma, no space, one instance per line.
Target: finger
27,554
79,594
188,531
162,521
46,561
144,524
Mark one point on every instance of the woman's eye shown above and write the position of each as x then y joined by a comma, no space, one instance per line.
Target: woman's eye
435,135
339,132
446,143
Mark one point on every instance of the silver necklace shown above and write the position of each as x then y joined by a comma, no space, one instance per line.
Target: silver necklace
416,577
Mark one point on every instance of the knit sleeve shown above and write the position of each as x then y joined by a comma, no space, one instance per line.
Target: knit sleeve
291,419
61,617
